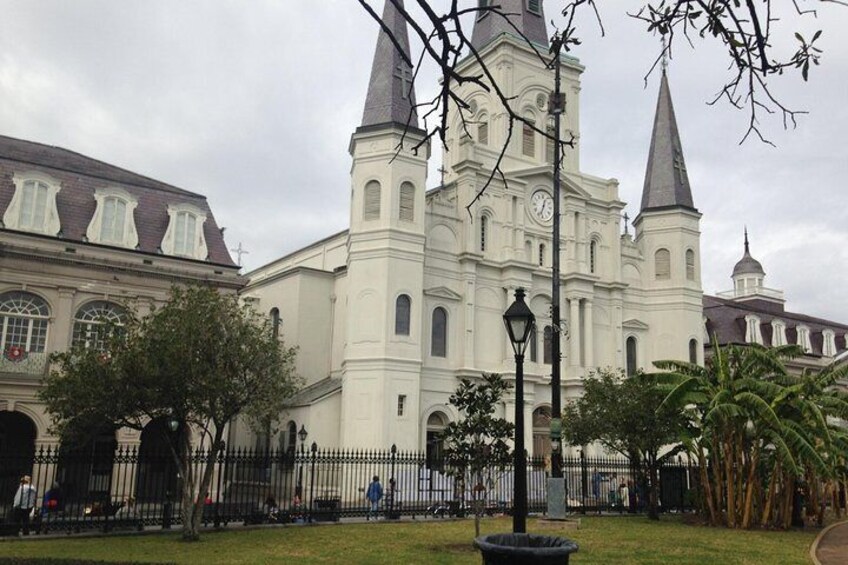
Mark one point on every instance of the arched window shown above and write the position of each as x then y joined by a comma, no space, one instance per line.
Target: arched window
484,227
33,206
528,140
402,308
288,443
23,324
112,224
593,256
483,130
439,341
185,234
662,264
693,351
541,254
95,322
541,432
436,424
690,265
275,322
407,202
371,202
753,332
631,356
533,344
548,346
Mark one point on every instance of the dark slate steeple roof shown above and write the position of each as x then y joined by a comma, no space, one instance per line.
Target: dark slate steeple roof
666,181
489,26
391,96
747,265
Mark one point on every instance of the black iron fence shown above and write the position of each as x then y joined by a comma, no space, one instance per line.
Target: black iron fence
134,489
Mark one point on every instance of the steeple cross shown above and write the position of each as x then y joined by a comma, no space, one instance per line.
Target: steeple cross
626,218
442,170
239,251
405,76
680,167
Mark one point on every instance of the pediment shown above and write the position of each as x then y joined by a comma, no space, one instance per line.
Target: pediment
442,292
634,324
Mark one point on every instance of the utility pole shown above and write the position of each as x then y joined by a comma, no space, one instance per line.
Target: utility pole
556,106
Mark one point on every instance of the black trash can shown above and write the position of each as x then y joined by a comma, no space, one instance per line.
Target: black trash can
518,549
326,509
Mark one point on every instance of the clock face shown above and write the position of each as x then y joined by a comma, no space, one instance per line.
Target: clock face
542,205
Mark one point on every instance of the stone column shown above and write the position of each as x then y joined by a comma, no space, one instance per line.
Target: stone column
574,331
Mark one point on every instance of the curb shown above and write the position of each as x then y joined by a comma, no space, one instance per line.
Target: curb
815,545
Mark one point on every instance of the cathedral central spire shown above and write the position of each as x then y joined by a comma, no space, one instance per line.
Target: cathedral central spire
666,179
527,17
391,96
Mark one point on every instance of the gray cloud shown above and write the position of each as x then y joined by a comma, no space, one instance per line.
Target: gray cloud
253,106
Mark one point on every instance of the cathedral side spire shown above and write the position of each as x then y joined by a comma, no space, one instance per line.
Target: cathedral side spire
391,96
666,180
528,16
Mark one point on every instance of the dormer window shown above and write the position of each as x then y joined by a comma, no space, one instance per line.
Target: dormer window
113,223
33,206
752,330
828,343
778,333
184,237
804,339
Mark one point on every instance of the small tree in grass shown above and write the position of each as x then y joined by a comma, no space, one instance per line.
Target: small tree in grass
478,441
625,415
202,359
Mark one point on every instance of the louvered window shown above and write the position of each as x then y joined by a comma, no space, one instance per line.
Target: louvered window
662,264
371,210
407,202
690,265
528,140
402,308
483,131
534,6
439,341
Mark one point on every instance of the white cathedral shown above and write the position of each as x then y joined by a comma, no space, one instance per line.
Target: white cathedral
389,314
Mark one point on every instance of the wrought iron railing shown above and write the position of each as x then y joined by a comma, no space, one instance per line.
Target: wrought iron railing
132,488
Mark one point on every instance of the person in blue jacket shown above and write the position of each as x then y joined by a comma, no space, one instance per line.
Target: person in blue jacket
374,494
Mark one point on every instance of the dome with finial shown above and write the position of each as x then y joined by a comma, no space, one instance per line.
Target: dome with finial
747,265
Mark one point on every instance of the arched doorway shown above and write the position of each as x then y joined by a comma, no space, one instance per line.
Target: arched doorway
17,451
158,473
436,424
542,432
84,471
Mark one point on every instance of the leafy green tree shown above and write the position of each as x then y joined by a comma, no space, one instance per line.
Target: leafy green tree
478,441
625,415
203,359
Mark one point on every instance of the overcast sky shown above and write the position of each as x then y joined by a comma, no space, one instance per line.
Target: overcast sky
252,104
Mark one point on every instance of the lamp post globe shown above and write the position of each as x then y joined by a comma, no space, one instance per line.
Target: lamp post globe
519,321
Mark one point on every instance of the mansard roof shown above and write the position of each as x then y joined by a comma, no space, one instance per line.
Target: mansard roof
666,180
391,95
80,176
726,319
522,21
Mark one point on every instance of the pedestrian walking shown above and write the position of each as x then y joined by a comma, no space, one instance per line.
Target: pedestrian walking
23,505
373,495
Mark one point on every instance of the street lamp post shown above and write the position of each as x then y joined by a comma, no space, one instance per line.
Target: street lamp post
519,321
302,435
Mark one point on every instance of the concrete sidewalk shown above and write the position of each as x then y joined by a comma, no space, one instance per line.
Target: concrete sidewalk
831,548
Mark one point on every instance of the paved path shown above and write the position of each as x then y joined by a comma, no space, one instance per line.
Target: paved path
833,546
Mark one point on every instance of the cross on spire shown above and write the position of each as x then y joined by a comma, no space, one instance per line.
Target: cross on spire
626,218
442,170
239,251
405,75
680,167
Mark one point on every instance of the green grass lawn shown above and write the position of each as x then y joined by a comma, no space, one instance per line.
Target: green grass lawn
602,540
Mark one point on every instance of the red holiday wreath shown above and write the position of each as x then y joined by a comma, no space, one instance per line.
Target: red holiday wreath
15,353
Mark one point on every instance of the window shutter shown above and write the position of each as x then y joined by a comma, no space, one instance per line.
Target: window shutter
528,141
483,131
690,265
662,260
534,6
371,210
407,202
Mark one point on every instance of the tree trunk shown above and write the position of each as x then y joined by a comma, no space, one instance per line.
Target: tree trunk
772,488
747,515
194,499
707,489
731,483
653,481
